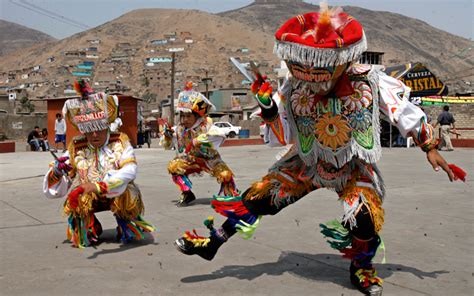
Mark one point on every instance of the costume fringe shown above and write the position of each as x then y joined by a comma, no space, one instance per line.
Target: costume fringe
259,190
222,172
180,166
247,230
84,207
233,208
353,196
129,205
229,189
350,247
319,57
229,205
341,237
195,239
183,182
82,232
129,230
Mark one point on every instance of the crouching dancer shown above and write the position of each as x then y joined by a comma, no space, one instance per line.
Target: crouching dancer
97,173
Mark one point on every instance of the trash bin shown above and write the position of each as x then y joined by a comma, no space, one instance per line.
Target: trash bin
244,134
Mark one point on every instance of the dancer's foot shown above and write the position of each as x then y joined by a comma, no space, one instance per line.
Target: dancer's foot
206,248
366,280
186,198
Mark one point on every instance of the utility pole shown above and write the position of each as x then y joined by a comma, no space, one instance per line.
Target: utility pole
206,81
207,85
173,56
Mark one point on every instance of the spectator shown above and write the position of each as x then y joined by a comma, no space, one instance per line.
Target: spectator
60,131
446,120
34,138
44,137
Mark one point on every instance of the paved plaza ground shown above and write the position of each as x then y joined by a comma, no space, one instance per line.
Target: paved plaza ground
428,235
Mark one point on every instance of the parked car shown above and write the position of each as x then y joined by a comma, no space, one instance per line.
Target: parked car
228,129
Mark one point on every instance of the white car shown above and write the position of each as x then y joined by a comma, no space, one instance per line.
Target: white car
228,129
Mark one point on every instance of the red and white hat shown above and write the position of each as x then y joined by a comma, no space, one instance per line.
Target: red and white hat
321,39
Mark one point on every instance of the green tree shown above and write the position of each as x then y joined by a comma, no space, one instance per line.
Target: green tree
149,97
26,104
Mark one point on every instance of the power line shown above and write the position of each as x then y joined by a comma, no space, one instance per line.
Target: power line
54,14
65,21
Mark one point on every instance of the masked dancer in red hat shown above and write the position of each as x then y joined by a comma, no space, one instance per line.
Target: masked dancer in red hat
329,112
97,172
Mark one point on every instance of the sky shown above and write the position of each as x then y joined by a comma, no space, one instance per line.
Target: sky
72,16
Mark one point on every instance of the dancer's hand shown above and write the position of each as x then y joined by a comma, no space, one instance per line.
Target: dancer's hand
89,188
168,131
262,91
61,167
437,161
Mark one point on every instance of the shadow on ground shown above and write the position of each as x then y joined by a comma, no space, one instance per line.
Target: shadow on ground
319,267
109,236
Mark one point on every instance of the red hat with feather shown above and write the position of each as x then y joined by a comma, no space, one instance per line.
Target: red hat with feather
321,39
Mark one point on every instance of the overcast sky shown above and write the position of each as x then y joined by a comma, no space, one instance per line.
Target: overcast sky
454,16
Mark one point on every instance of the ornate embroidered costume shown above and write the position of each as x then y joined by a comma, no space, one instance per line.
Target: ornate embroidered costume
329,112
196,147
112,168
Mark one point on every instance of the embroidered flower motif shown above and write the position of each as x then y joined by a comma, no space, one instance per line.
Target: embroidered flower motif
361,98
332,131
360,120
302,102
305,125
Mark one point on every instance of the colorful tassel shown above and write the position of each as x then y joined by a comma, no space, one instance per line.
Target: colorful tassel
82,88
229,205
368,276
133,230
197,240
340,235
246,230
459,174
73,197
234,209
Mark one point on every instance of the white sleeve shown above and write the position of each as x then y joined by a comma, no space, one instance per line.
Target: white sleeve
117,180
53,188
216,136
395,105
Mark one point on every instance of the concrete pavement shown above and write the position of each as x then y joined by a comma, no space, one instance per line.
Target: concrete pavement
428,235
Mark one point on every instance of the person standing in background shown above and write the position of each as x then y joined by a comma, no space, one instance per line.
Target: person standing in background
60,131
446,120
